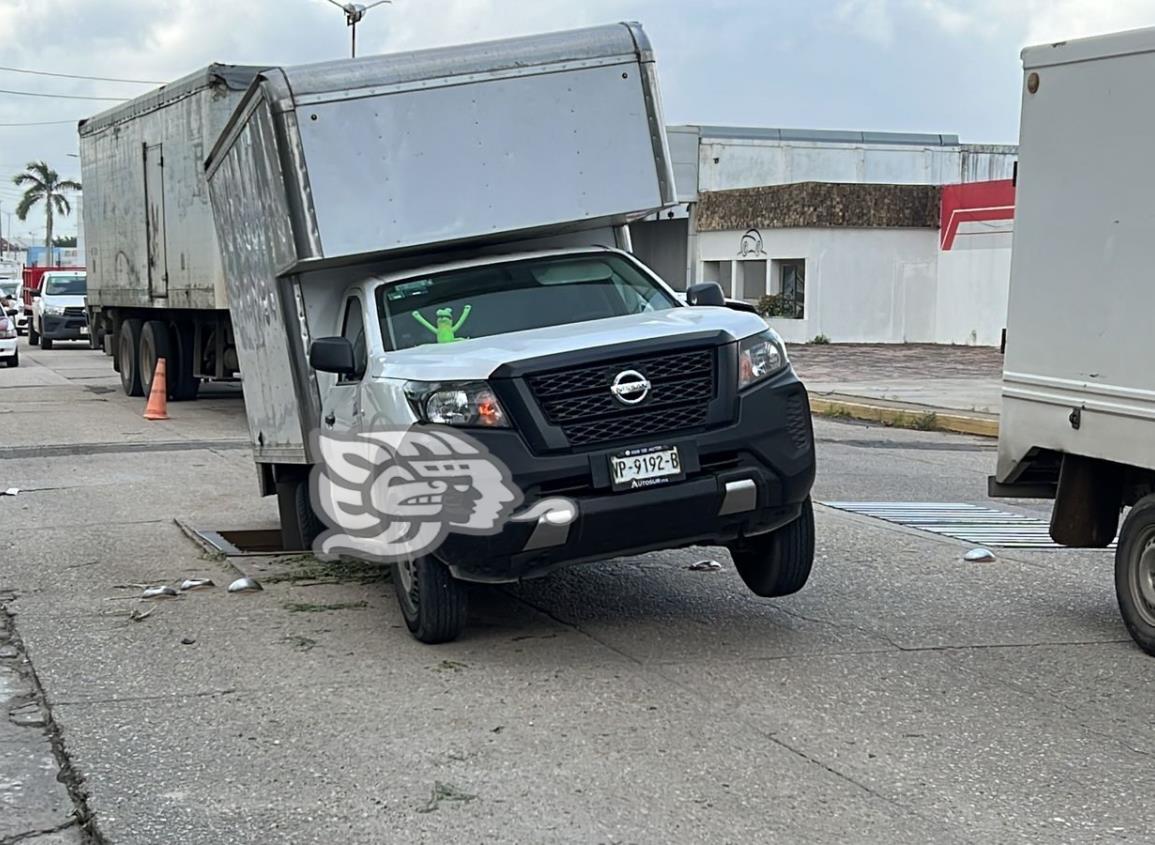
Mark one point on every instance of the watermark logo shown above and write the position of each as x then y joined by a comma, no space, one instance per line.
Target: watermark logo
395,494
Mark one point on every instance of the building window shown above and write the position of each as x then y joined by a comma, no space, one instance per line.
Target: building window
751,280
720,272
792,288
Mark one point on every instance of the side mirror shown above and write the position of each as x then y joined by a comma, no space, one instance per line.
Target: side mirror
705,293
332,355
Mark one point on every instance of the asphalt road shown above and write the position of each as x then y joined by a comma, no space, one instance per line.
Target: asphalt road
903,696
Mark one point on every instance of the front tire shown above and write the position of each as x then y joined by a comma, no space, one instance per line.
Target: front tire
778,563
1135,573
433,602
45,342
300,525
33,335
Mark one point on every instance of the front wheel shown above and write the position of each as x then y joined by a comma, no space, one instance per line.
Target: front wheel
33,335
1135,573
45,342
778,563
433,602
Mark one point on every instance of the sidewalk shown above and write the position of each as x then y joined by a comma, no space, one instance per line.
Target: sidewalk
949,388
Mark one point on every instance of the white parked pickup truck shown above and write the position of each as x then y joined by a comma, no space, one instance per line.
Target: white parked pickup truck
436,243
58,312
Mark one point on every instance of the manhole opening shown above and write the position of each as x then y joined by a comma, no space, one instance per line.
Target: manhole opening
244,542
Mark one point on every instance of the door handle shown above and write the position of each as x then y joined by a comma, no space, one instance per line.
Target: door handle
330,418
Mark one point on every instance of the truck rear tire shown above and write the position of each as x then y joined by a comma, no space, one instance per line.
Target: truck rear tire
128,356
300,525
154,345
433,602
778,563
1135,573
183,386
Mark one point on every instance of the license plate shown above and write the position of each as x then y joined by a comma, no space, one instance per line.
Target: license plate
84,330
634,469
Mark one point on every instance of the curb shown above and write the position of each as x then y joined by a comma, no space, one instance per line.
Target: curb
920,418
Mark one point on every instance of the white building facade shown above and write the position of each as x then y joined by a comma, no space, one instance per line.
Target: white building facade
855,251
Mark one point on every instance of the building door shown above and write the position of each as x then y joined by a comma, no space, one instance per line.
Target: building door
154,221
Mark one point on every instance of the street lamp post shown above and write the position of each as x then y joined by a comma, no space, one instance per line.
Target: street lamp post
354,13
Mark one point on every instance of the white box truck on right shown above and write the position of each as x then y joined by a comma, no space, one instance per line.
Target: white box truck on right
1078,415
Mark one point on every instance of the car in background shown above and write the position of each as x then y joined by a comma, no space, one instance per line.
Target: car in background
10,304
9,351
58,312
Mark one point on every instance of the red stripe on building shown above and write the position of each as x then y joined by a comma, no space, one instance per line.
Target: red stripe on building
974,201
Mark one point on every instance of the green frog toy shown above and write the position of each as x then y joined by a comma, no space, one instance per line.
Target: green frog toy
445,330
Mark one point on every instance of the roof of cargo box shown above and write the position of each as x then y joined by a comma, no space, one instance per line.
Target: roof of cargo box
1125,43
233,77
591,44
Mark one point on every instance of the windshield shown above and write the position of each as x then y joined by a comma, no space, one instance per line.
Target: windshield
65,286
8,289
515,296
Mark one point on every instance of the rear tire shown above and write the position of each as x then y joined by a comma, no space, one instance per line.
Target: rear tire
182,385
1135,573
128,356
14,361
778,563
154,345
433,602
300,525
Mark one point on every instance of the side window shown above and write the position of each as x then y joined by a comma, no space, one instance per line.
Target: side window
353,328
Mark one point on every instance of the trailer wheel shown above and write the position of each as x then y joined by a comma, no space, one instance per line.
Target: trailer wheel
778,563
183,386
1135,573
433,602
154,345
128,356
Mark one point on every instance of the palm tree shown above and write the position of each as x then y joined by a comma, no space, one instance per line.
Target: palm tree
45,184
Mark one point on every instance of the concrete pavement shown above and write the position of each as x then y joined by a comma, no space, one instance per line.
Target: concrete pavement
904,385
903,696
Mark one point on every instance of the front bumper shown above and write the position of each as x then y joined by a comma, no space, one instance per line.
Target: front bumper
64,327
747,477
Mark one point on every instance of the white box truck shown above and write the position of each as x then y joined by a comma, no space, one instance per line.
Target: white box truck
440,238
156,288
1078,413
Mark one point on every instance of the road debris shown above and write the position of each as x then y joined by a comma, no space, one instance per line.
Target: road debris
705,566
195,584
11,491
979,555
445,792
138,615
165,592
187,640
246,584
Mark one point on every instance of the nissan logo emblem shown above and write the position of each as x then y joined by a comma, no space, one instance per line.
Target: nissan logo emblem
630,387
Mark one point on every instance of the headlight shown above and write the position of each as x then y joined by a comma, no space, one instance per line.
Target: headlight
471,403
55,310
760,357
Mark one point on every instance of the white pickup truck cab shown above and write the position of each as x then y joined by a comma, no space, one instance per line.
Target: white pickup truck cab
58,312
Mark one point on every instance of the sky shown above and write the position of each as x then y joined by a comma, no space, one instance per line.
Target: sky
949,66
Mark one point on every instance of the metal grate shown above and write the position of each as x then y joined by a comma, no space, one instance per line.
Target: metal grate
579,399
971,523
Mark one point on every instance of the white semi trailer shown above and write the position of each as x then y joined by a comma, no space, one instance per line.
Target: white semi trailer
1078,414
156,288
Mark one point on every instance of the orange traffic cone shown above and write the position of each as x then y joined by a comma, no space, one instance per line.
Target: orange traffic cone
157,408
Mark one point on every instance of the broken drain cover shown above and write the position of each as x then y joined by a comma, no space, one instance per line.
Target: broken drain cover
972,523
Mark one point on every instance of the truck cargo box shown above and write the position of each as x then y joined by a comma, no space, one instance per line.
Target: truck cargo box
1078,378
330,169
147,218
